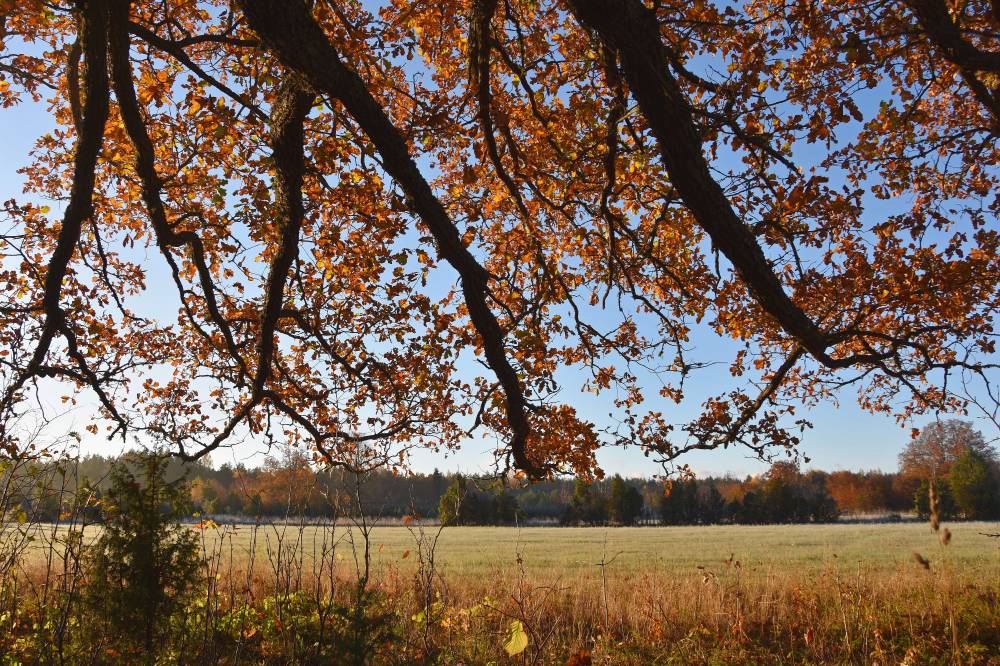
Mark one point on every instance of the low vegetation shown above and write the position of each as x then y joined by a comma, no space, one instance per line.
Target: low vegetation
352,591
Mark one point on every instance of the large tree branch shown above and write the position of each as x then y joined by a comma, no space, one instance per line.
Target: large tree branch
289,30
94,115
287,136
145,167
945,34
632,31
287,121
480,50
288,116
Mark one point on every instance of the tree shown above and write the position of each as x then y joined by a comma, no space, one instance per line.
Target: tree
935,449
786,471
778,494
437,482
462,505
504,510
205,496
946,502
974,485
586,506
624,502
777,501
286,486
711,505
453,509
846,489
750,510
298,170
678,505
817,504
145,562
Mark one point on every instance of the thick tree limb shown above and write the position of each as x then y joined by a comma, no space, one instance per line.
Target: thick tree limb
145,166
289,30
288,116
287,120
632,31
479,82
937,23
73,83
945,35
94,115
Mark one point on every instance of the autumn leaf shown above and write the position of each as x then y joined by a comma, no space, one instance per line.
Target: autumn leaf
517,639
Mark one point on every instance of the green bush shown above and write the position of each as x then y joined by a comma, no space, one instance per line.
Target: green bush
144,566
974,486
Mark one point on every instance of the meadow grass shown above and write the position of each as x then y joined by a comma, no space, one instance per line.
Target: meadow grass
877,548
799,549
782,594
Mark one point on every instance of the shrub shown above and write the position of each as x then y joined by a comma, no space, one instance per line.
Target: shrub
143,566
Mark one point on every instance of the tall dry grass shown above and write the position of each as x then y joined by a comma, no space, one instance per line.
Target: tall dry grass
287,593
279,601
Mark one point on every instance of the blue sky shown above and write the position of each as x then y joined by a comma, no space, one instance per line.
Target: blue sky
842,437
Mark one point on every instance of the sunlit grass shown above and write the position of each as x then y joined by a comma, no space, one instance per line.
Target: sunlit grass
849,593
799,549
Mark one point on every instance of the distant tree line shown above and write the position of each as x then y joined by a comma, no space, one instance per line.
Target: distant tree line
950,454
783,495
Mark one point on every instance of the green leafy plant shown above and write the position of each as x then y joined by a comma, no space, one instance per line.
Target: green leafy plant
974,486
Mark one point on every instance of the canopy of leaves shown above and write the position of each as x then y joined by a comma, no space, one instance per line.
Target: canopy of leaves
353,203
935,449
975,486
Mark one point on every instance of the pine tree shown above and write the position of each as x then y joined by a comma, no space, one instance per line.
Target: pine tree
145,563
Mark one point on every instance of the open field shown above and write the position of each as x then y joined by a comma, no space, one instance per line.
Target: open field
803,549
787,594
798,549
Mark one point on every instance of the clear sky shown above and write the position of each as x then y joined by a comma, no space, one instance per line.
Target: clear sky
843,437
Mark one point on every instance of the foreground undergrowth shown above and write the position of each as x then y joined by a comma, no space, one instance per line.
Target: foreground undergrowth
122,581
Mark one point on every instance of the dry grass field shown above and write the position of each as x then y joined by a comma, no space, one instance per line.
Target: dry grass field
873,548
767,550
847,593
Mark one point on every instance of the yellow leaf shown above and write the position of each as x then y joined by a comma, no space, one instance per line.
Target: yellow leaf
517,640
